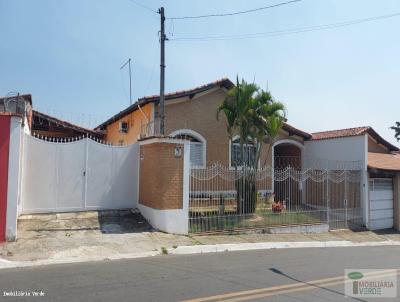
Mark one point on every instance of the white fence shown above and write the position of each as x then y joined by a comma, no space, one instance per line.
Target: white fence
78,176
222,199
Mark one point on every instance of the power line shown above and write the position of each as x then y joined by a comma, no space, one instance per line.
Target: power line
234,13
143,6
284,32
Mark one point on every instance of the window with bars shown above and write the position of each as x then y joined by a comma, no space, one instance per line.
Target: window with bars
197,149
249,155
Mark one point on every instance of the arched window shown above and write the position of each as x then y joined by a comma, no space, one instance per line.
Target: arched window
235,153
197,146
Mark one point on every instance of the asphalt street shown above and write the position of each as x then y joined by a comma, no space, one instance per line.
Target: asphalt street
304,274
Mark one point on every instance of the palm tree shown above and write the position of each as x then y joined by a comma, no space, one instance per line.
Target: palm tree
255,116
267,121
237,108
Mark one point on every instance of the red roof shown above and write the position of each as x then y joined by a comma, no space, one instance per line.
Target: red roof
224,82
292,130
339,133
383,161
349,132
41,116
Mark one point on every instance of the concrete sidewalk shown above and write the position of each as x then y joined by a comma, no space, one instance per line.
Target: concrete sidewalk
73,237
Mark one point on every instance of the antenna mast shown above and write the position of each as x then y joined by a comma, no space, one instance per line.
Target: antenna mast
130,79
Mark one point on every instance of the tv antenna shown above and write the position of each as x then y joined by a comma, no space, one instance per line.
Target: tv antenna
128,62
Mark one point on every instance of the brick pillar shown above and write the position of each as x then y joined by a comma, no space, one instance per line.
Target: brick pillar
164,184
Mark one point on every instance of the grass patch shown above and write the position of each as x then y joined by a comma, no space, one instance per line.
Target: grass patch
264,219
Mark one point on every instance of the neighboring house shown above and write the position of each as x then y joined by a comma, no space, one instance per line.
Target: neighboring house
42,124
50,127
379,163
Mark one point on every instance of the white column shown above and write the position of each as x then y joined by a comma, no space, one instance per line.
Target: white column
14,179
186,186
364,190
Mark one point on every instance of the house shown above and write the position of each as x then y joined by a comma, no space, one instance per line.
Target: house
191,115
188,179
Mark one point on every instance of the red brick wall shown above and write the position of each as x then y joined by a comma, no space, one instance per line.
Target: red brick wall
161,176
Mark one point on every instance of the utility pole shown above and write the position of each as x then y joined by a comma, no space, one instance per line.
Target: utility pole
130,79
162,71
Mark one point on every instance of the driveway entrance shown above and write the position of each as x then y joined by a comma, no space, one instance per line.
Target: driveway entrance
78,175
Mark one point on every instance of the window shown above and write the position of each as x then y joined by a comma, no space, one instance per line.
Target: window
197,146
235,153
123,127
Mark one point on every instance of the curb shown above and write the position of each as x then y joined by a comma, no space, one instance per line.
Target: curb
4,264
217,248
201,249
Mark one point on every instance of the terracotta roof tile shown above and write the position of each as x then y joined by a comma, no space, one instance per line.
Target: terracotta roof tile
292,130
349,132
339,133
382,161
224,82
65,124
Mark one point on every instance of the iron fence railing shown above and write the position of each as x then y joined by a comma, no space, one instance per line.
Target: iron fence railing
149,129
224,199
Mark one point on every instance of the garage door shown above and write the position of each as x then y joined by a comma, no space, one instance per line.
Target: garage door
381,203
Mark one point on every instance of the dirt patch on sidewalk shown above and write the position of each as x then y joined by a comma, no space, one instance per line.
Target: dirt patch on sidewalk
85,234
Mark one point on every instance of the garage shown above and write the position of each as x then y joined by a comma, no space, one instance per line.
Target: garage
381,203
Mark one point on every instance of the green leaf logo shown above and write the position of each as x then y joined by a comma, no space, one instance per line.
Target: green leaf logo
355,275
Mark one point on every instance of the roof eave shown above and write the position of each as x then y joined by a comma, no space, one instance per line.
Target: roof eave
224,83
381,140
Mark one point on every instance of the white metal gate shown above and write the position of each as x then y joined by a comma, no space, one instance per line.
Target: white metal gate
77,176
381,203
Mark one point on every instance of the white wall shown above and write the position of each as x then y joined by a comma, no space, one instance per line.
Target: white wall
78,176
344,149
170,221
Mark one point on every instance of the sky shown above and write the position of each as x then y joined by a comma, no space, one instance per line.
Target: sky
68,54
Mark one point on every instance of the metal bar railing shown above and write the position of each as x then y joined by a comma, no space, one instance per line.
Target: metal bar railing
222,199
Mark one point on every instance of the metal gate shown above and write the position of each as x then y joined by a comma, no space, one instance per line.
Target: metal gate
78,175
222,199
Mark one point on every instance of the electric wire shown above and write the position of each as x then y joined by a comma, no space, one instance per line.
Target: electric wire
233,13
144,6
284,32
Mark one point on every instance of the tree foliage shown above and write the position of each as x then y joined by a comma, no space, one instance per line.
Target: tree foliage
396,129
253,114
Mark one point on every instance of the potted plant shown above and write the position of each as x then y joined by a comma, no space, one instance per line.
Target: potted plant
277,207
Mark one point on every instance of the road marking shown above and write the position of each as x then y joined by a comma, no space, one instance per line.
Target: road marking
281,289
